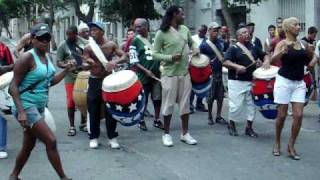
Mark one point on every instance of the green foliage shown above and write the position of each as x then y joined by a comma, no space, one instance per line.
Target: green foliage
127,10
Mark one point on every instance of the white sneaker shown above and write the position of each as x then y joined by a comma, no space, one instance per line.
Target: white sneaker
167,140
114,143
187,138
3,155
94,143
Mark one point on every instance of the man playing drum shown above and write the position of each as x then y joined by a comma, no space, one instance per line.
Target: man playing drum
148,69
213,48
198,38
240,59
71,50
171,46
98,73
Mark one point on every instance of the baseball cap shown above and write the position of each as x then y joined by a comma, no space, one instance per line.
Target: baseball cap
40,29
82,26
96,24
214,25
250,24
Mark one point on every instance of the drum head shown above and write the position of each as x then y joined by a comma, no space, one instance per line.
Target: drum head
200,61
5,79
119,81
262,73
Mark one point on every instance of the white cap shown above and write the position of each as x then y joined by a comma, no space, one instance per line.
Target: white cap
214,25
82,26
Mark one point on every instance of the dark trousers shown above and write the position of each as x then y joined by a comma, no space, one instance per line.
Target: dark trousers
95,102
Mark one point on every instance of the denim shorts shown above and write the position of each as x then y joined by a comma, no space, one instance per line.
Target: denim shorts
34,115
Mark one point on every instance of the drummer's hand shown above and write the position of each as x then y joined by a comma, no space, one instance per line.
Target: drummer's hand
70,66
177,57
240,69
22,119
266,64
110,66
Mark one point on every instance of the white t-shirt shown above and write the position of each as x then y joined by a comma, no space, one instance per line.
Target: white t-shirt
317,50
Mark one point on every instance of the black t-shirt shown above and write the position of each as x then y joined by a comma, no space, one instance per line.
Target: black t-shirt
308,40
293,64
257,43
236,55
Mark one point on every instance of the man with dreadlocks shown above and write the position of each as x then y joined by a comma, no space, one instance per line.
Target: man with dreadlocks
171,47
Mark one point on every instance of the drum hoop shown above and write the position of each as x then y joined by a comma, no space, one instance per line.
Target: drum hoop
119,87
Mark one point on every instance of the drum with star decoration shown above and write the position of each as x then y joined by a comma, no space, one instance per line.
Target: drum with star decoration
309,84
262,91
124,97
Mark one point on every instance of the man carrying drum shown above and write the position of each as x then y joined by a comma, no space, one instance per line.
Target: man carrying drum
148,69
6,65
171,46
71,50
241,60
98,73
213,48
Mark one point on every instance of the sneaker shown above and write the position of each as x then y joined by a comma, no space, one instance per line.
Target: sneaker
232,131
221,120
250,132
187,138
3,155
94,143
210,121
114,143
142,126
158,124
167,140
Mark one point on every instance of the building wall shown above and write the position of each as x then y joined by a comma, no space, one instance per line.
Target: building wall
263,15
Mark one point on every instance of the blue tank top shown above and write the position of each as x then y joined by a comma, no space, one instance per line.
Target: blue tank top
38,96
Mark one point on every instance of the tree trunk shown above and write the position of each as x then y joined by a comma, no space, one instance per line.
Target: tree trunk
6,26
85,18
51,20
227,16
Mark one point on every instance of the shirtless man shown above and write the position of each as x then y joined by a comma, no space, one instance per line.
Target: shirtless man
98,73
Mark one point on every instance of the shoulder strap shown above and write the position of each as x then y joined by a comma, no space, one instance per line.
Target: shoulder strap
145,41
246,51
215,50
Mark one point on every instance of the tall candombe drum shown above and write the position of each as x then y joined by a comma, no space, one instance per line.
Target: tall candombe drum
200,73
262,91
124,97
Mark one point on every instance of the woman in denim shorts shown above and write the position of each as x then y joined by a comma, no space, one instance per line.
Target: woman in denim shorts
34,73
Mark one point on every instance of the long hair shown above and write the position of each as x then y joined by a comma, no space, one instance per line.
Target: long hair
167,18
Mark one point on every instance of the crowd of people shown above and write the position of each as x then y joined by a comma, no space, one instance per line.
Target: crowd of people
162,68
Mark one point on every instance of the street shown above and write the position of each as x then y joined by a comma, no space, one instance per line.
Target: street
142,155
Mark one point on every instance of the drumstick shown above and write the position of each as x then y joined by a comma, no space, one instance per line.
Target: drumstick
253,63
153,77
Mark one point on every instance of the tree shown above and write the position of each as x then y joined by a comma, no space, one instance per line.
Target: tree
84,17
10,9
226,7
126,11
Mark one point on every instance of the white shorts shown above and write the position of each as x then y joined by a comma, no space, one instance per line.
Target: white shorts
286,91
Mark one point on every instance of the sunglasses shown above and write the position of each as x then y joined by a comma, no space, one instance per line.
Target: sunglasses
44,38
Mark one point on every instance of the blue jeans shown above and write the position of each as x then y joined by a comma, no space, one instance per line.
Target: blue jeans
3,133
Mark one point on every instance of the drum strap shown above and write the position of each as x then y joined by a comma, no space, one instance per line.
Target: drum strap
145,41
246,51
215,50
179,38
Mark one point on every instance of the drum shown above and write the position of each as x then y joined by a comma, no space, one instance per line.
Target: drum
80,90
5,79
262,91
124,97
200,69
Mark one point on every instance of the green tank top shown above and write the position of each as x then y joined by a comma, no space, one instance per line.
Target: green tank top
38,96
